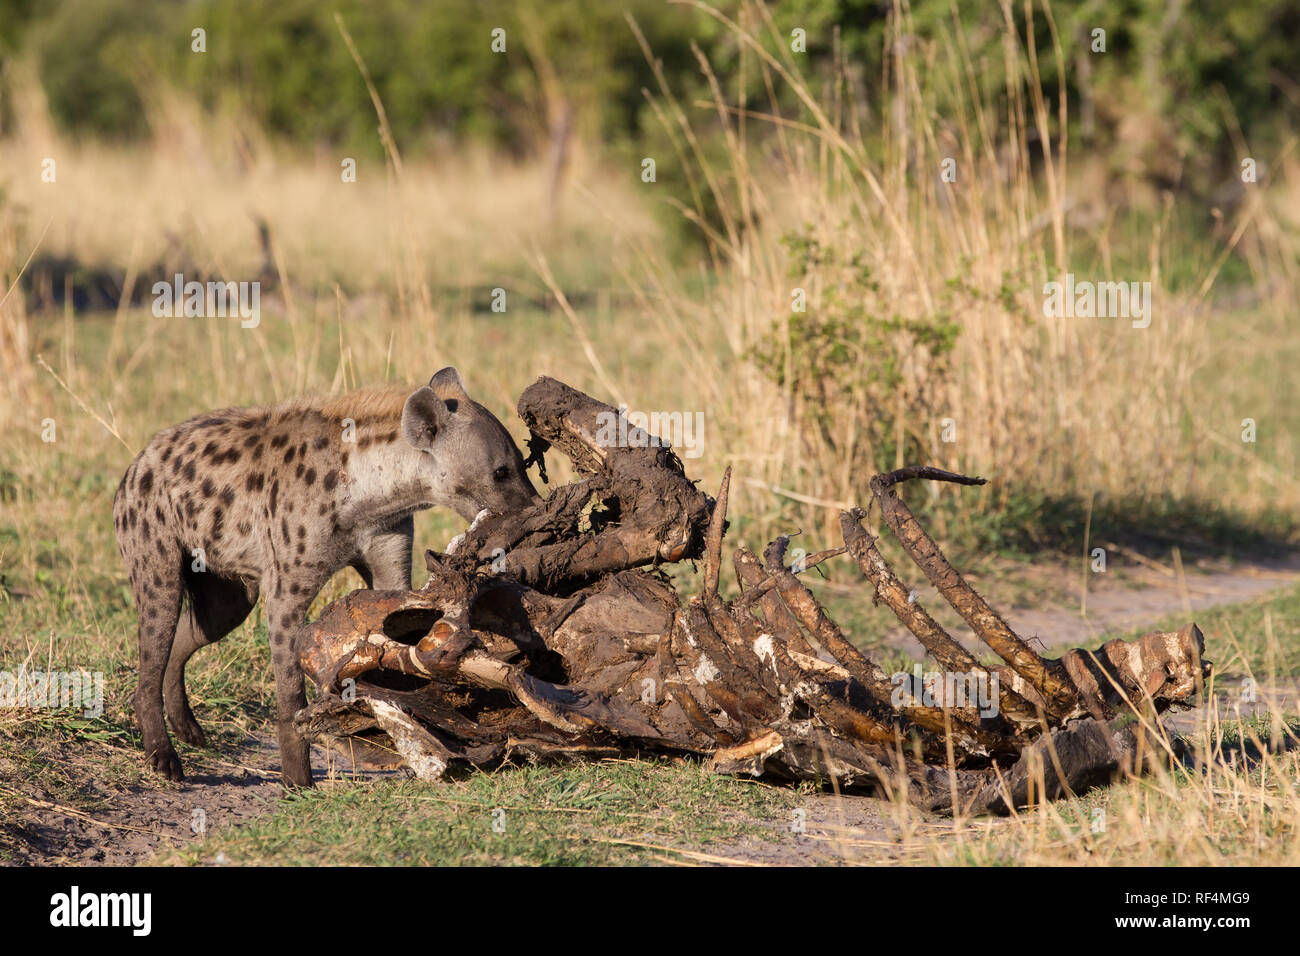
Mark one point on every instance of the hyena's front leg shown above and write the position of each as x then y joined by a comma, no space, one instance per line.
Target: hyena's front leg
387,556
287,602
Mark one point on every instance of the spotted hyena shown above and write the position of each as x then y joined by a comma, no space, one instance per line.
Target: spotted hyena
273,501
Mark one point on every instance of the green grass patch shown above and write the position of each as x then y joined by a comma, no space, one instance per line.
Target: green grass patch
574,815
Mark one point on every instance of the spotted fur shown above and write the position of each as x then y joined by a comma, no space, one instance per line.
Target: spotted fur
273,501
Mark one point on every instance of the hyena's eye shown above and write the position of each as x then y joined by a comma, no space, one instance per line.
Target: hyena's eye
501,474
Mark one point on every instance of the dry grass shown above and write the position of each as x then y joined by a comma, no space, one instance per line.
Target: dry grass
1238,805
1074,406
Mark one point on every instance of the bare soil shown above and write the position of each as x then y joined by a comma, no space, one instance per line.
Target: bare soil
829,829
1116,602
117,821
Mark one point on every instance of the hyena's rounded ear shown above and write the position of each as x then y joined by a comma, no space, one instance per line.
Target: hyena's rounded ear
449,386
423,416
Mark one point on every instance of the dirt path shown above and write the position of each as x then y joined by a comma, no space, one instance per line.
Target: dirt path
1116,603
120,824
1116,606
827,829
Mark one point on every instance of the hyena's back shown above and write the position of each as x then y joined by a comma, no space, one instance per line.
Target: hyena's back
198,485
226,481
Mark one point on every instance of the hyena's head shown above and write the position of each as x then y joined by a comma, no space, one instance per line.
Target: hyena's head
470,461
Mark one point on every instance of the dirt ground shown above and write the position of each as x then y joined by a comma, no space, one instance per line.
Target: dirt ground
1116,602
131,822
132,818
826,829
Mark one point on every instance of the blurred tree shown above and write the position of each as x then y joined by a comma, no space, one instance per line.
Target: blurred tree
1171,74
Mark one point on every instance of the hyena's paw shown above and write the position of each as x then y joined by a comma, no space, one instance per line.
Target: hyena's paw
167,762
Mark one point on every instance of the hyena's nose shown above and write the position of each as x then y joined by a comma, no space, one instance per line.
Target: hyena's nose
527,494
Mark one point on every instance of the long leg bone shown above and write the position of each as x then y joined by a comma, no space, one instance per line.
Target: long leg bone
1046,678
933,638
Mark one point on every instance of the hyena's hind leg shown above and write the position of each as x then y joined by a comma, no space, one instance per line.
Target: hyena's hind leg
155,570
216,606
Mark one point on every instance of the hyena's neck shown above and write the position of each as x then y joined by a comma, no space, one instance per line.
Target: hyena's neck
385,480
